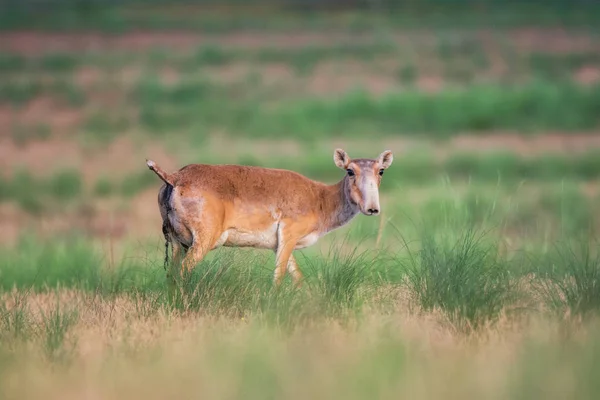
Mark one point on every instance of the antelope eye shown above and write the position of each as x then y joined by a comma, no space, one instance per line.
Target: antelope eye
350,172
380,172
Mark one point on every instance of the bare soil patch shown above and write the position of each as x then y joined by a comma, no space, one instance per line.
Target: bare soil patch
121,157
43,110
339,77
553,40
588,75
551,142
33,43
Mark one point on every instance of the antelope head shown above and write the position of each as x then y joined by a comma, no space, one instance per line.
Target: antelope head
363,177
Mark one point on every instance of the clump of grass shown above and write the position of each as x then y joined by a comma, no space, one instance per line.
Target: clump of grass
135,183
65,185
69,92
15,320
407,74
569,278
220,286
103,187
56,324
343,279
26,191
18,92
58,62
102,128
12,62
212,55
461,275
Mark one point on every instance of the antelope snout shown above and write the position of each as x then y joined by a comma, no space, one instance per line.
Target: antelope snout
372,211
370,197
371,208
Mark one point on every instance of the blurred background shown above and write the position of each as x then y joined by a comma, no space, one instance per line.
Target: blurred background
493,104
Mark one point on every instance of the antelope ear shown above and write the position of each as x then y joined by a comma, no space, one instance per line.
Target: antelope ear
341,158
385,159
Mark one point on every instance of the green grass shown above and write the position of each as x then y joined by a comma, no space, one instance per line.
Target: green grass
18,92
65,185
15,321
68,262
569,277
430,15
35,194
446,251
23,189
460,274
407,74
531,101
56,325
12,62
100,128
59,62
562,66
104,187
430,306
531,107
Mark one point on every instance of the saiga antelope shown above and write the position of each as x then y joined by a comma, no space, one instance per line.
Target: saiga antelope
207,206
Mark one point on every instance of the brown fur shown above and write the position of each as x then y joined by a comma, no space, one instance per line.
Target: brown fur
207,206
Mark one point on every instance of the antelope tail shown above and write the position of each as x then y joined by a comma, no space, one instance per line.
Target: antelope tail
167,178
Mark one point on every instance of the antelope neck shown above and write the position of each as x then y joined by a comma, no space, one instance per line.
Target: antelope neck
337,208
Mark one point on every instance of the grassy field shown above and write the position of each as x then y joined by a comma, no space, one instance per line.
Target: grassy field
481,278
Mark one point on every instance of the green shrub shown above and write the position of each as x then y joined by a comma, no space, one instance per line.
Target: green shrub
461,275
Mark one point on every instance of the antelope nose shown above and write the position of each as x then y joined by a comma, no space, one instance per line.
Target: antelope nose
373,211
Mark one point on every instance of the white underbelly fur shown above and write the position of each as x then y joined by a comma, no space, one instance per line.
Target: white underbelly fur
266,239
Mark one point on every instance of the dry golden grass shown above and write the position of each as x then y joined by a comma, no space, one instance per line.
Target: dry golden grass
115,350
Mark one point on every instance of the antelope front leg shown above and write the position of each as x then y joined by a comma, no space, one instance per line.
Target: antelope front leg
292,268
285,245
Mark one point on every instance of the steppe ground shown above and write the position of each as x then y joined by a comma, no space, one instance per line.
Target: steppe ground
481,278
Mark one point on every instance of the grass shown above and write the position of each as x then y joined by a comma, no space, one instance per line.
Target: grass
18,92
23,134
284,17
480,108
59,62
56,324
570,278
462,276
562,67
527,99
21,92
459,266
36,194
409,316
231,335
68,263
378,316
